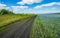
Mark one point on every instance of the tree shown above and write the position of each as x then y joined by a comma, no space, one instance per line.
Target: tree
4,11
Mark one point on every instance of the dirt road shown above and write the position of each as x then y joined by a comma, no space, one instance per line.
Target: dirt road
20,29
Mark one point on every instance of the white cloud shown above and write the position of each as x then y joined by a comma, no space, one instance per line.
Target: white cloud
49,4
37,10
20,7
28,2
58,3
53,8
2,5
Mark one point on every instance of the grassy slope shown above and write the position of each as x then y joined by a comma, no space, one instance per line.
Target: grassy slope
44,28
6,19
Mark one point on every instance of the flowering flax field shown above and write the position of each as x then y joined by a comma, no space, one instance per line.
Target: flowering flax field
46,26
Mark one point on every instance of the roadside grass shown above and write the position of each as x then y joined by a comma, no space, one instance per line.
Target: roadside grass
46,28
9,18
5,19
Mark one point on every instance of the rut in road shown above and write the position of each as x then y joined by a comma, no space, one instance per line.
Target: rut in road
18,29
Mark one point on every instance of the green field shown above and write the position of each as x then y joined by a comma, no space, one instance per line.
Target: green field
46,27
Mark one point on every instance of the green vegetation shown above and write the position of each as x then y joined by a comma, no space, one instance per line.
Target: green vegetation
46,28
7,17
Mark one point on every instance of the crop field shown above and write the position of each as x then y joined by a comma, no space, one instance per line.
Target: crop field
46,26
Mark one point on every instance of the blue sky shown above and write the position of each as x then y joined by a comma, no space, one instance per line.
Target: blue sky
31,6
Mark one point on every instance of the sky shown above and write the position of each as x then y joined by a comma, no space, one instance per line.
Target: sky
31,6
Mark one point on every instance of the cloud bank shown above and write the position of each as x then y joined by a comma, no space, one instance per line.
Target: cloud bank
49,4
39,9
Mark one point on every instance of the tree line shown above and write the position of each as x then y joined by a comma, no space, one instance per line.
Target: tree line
4,11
